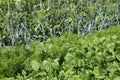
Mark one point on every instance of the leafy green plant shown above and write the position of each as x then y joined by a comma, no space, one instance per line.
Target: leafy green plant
95,56
41,19
11,59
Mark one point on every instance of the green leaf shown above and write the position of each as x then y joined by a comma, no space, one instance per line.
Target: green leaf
69,57
46,64
118,56
23,73
112,67
35,65
114,37
55,64
96,72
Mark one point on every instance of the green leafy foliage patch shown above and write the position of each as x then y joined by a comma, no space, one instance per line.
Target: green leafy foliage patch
69,57
41,19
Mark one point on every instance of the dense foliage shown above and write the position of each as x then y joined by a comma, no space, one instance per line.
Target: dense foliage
69,57
23,20
59,40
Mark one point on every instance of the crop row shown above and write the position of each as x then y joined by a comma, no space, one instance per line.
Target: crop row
55,18
69,57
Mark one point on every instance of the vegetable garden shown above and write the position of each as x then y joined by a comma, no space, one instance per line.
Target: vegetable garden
59,40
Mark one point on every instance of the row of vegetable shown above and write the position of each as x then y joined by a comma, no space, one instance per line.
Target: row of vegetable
39,20
69,57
